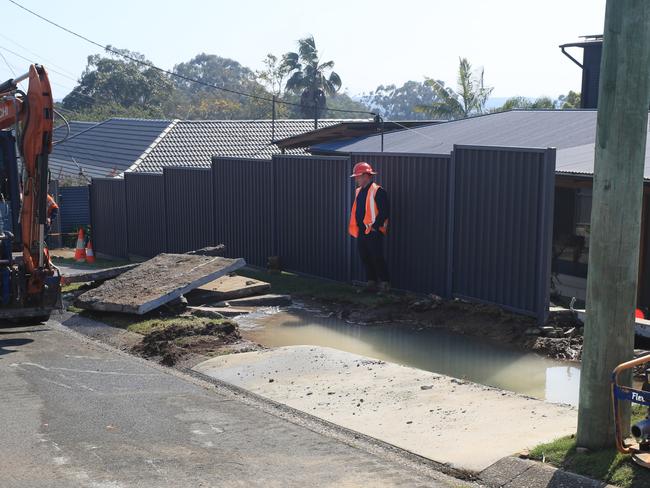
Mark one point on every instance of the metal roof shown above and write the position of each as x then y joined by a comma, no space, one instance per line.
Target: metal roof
192,143
104,149
516,128
579,160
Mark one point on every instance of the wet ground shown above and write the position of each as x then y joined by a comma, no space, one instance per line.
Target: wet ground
434,350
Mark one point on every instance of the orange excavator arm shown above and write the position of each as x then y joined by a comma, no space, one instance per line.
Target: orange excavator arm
32,115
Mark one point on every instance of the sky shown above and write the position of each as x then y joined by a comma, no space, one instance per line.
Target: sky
371,42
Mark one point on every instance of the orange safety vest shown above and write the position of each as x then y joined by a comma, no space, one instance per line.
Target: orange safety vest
371,212
51,205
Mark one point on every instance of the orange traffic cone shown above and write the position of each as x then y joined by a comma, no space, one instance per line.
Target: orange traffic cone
80,250
90,254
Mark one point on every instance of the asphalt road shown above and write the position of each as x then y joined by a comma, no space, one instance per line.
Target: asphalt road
75,413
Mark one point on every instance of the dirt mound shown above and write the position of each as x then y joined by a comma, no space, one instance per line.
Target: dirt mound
174,341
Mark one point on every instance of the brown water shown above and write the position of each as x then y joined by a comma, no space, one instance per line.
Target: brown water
429,349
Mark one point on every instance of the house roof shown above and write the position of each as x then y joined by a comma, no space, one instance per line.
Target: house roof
103,149
192,143
516,128
579,161
348,130
61,132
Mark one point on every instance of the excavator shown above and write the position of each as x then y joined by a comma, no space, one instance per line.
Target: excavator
30,285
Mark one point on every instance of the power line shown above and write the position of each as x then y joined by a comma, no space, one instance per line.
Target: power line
49,63
171,73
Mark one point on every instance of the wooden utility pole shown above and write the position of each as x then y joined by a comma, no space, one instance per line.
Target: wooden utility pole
623,102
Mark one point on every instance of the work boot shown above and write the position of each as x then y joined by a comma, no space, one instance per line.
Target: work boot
370,287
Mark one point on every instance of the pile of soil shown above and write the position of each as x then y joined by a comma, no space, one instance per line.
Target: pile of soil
174,342
560,338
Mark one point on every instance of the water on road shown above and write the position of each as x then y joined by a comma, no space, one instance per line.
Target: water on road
433,350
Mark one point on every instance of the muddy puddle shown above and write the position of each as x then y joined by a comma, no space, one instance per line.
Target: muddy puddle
428,349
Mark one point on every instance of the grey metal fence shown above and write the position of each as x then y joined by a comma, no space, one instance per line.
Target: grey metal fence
244,219
74,207
146,221
416,245
189,208
476,224
502,226
109,216
312,204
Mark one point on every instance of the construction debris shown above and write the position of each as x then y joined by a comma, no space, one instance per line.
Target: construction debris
72,275
227,288
269,300
216,312
156,282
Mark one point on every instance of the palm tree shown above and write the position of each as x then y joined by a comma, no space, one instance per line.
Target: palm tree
469,98
309,77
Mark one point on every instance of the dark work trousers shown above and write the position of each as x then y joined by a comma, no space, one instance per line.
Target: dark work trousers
371,250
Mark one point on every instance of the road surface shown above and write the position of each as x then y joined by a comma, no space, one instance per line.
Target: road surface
76,413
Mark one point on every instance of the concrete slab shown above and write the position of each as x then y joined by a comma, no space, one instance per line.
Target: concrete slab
215,311
156,282
72,274
268,300
451,421
229,288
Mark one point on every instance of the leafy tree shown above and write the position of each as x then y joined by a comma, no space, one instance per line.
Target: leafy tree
198,101
570,100
469,98
399,103
273,75
526,103
121,84
310,78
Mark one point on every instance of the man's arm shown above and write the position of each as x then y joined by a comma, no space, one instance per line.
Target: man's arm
383,205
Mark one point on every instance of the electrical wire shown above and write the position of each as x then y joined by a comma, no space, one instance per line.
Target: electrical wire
171,73
67,124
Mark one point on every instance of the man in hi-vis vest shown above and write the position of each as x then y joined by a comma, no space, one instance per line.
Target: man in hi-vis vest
369,224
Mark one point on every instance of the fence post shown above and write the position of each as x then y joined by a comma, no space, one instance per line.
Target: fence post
546,234
451,209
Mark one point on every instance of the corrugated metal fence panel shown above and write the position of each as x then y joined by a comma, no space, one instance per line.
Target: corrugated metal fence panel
189,208
74,207
244,219
108,216
312,205
145,200
416,245
503,215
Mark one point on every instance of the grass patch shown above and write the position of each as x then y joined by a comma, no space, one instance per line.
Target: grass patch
306,287
98,264
145,327
607,465
70,287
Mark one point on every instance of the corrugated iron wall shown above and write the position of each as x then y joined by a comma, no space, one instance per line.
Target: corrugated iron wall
189,209
109,216
502,226
243,211
476,224
416,245
74,209
312,205
145,199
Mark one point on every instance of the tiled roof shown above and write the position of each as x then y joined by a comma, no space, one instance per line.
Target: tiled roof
192,143
103,149
517,128
61,132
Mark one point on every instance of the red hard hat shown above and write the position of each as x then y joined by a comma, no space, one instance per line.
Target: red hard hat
361,169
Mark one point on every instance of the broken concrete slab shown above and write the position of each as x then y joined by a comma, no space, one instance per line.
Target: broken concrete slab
386,401
217,312
79,275
156,282
269,300
227,288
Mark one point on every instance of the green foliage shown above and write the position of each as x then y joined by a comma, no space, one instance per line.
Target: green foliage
469,98
310,78
526,103
273,75
570,100
113,85
399,103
